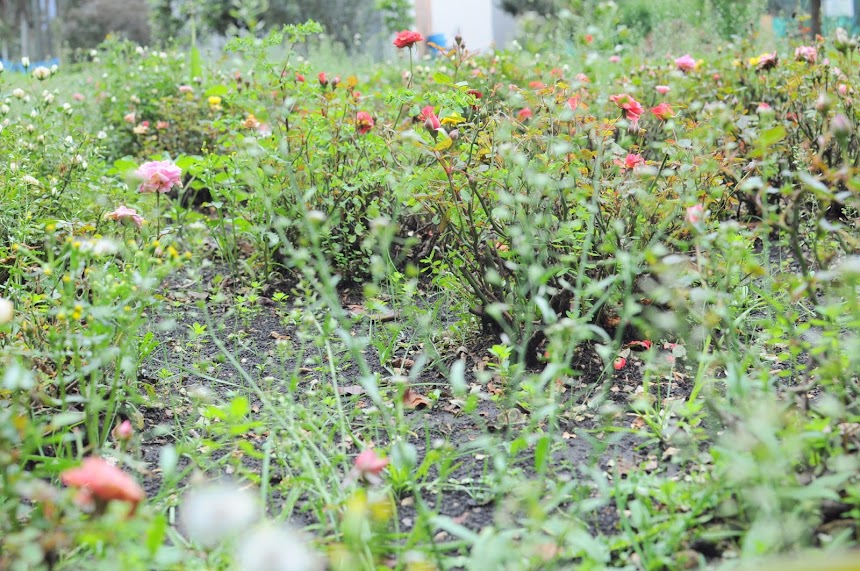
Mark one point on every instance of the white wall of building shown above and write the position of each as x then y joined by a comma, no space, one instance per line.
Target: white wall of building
473,19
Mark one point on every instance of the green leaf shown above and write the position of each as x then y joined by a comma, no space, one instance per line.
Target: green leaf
772,136
156,533
542,453
66,419
442,78
217,91
125,164
443,144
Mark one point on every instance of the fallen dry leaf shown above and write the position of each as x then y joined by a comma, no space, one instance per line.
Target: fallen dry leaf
402,363
415,400
278,336
351,390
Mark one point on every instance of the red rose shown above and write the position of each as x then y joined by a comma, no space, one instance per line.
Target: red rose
407,39
363,122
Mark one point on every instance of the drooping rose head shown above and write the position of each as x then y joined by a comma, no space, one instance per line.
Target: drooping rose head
663,111
103,481
363,122
685,63
766,62
662,89
124,214
632,108
323,79
573,102
158,176
407,39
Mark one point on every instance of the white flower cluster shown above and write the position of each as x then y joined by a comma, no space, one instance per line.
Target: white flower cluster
215,514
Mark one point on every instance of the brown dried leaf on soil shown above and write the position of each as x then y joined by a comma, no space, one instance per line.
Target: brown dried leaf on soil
415,400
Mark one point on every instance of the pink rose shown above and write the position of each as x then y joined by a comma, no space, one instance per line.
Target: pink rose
524,113
129,117
98,479
78,96
582,78
123,214
614,59
663,111
159,176
431,121
764,108
633,108
695,214
631,161
685,63
123,431
186,89
662,89
806,53
368,466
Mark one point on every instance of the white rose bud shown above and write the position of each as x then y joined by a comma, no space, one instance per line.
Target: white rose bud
25,61
18,93
41,73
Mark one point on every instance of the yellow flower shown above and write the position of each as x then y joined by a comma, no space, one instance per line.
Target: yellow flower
453,119
214,101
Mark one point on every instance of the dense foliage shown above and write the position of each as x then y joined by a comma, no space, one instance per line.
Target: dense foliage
662,250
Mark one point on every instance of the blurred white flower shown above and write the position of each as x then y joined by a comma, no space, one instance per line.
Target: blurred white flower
1,67
273,548
101,135
214,513
7,310
18,93
25,61
33,181
54,69
41,73
100,247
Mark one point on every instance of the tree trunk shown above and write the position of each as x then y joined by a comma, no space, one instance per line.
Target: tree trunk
815,12
24,28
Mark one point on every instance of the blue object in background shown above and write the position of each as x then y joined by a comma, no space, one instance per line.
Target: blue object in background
439,40
16,65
